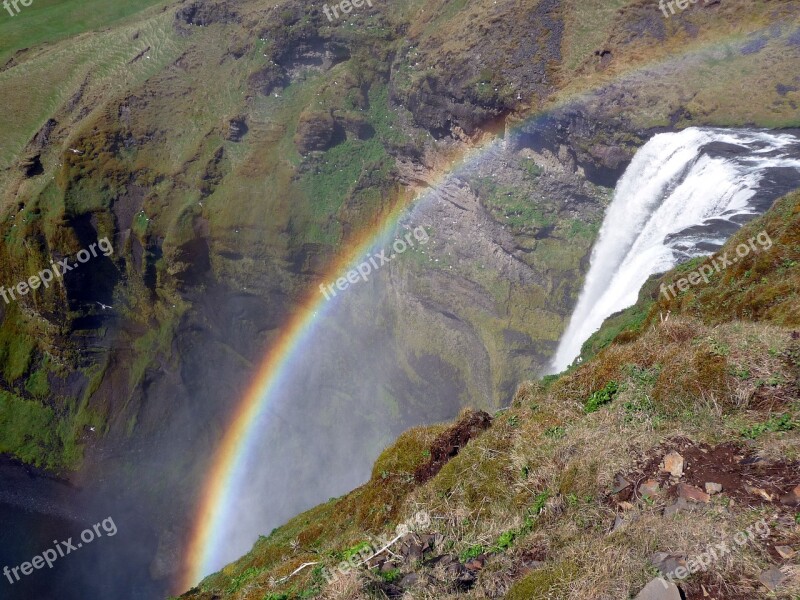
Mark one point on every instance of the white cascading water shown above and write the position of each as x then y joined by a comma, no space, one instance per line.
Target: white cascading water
682,196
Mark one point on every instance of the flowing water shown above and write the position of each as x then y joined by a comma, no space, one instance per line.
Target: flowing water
682,196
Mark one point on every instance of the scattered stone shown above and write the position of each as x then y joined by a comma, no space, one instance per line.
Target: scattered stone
620,483
619,523
693,494
531,566
785,552
759,492
622,521
476,564
680,505
428,541
668,563
659,589
410,547
713,488
649,489
673,464
409,580
792,498
772,578
387,566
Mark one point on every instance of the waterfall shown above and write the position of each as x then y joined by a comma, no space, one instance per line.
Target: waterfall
682,196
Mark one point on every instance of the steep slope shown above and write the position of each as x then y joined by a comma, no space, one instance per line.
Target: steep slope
98,145
575,489
231,151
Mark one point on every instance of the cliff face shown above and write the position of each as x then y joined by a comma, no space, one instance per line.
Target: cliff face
230,150
679,437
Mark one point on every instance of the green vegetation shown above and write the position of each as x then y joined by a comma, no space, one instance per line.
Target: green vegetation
512,207
675,376
557,432
389,576
37,384
149,133
784,422
31,432
471,552
601,397
16,353
52,20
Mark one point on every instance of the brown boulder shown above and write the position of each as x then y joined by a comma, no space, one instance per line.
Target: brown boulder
792,498
691,493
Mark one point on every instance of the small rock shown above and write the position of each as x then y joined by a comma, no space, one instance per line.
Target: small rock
693,494
792,498
759,492
410,547
673,464
619,523
476,564
713,488
465,579
626,506
659,589
409,580
622,521
785,552
667,563
649,488
387,566
772,578
620,483
680,505
236,129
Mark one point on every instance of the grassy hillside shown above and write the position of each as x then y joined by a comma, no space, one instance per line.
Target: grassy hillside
47,21
548,502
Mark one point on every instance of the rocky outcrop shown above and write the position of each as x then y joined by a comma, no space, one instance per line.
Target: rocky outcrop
316,130
203,14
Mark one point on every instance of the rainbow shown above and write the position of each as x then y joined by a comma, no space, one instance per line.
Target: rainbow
229,462
228,465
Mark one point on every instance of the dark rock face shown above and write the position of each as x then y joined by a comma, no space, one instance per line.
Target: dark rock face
32,166
438,107
316,131
356,127
236,129
267,79
591,142
754,46
465,94
204,14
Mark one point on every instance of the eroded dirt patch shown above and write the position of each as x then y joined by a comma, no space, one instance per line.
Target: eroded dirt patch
744,476
450,443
